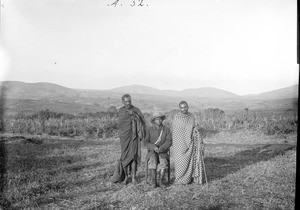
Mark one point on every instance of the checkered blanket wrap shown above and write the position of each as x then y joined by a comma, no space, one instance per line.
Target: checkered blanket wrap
188,149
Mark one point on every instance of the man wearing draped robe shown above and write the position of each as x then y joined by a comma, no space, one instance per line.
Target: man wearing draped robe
131,132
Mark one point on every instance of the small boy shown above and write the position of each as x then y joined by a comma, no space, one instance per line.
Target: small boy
158,140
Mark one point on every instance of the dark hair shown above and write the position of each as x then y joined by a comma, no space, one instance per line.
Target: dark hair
183,102
126,96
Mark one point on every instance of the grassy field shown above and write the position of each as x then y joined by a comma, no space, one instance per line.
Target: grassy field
245,169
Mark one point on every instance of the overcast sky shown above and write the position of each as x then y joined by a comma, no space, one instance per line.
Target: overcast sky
242,46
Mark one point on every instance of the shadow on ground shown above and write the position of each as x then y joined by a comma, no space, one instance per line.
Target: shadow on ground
28,156
220,167
217,168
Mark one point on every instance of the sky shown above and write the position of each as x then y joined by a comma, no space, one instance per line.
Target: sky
241,46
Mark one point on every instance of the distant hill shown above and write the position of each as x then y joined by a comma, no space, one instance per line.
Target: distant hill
282,93
40,90
204,92
208,92
141,89
43,90
137,89
37,96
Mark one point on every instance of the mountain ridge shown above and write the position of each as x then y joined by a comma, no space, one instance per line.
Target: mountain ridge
30,97
18,89
204,92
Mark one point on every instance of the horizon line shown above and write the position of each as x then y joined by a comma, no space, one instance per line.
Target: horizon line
297,84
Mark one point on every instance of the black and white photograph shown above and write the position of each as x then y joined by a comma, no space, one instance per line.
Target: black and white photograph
148,104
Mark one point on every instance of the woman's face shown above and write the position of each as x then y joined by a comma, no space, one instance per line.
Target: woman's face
184,108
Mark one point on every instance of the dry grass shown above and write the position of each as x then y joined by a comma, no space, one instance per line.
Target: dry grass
104,124
56,173
265,185
248,137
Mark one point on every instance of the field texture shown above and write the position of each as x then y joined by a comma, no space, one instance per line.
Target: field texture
245,169
104,124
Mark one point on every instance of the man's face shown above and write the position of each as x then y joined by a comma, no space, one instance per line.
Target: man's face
127,102
184,108
158,121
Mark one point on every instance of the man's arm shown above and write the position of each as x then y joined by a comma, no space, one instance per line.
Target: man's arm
138,111
147,142
168,142
120,116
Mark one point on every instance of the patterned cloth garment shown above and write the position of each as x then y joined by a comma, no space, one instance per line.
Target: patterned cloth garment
187,154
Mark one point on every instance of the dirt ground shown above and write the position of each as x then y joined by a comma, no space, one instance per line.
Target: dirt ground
244,171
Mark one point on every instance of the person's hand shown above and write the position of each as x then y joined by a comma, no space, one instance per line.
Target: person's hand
159,150
202,150
155,148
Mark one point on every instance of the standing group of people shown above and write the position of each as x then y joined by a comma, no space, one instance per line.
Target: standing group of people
183,136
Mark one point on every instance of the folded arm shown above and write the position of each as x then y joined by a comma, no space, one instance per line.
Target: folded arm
167,143
150,146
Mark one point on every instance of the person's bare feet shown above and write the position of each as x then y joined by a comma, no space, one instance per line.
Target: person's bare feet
125,182
134,181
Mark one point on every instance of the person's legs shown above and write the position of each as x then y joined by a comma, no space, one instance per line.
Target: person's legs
152,165
133,171
126,172
162,167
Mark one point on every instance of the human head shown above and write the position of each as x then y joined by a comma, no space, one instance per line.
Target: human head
126,100
157,119
184,107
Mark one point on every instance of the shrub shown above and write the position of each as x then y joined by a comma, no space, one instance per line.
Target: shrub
104,124
60,124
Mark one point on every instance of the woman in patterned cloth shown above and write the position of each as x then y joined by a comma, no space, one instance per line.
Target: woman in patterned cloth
187,146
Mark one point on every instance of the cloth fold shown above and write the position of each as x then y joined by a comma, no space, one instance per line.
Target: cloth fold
187,153
199,153
131,133
138,132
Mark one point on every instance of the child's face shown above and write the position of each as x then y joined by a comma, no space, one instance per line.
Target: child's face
158,121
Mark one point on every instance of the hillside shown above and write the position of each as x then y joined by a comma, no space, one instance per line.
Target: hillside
137,89
208,92
40,90
204,92
16,89
282,93
37,96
